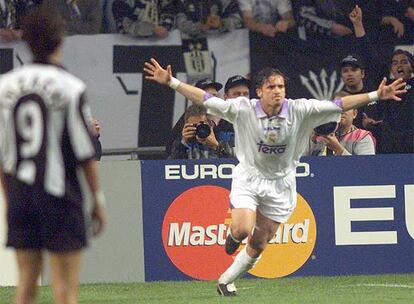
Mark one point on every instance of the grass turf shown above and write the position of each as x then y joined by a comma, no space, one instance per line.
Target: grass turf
347,289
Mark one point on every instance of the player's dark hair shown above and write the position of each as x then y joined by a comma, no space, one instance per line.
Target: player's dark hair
194,110
263,75
43,30
406,53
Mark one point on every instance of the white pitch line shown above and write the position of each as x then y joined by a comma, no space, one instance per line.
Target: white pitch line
245,287
385,285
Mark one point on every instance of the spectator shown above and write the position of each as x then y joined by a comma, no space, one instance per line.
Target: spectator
375,67
353,74
144,18
320,19
194,144
265,20
378,69
108,17
325,19
96,133
267,17
398,126
81,16
196,18
235,86
346,139
11,14
205,84
399,14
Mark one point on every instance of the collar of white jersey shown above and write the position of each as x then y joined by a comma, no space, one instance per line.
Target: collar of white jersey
284,112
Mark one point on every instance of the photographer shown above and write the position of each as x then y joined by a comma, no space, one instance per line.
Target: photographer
206,84
197,139
343,138
348,139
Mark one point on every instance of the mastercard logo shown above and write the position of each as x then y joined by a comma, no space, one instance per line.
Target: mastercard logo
196,224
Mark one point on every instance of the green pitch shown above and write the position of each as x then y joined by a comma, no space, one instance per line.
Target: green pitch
355,290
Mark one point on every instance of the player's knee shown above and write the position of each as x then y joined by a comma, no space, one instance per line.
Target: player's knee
258,244
239,233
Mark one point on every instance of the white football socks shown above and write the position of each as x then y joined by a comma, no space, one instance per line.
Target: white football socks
242,263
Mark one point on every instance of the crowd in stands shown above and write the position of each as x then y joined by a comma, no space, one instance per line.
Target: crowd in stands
377,128
153,18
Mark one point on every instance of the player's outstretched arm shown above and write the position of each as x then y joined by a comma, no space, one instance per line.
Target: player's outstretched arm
384,92
156,72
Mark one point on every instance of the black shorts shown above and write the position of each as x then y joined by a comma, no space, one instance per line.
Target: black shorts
38,220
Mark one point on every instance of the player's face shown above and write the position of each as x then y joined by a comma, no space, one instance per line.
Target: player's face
273,92
352,76
237,91
212,91
401,67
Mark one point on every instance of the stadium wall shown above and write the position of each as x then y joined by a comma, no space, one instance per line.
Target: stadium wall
354,215
168,221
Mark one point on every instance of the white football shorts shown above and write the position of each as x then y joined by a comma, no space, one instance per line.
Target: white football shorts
274,198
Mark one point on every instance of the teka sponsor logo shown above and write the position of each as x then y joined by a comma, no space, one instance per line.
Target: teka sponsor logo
196,224
269,149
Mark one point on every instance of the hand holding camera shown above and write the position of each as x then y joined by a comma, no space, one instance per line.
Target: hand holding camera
202,132
331,142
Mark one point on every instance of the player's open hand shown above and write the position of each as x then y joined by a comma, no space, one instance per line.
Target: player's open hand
392,90
156,72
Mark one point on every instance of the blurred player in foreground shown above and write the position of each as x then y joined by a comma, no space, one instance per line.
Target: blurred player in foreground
44,138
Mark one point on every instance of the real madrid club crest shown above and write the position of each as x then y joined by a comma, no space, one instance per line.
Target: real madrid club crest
271,137
272,132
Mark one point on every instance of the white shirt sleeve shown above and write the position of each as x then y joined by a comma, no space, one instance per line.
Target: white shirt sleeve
227,109
317,112
78,126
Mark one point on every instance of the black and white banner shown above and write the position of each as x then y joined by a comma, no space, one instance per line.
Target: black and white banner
134,112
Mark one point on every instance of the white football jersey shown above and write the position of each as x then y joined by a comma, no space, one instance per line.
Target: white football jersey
270,147
45,127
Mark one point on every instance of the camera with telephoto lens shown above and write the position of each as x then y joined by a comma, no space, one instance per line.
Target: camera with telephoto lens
203,129
326,129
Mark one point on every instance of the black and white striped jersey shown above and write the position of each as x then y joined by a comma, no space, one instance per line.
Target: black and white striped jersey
45,128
